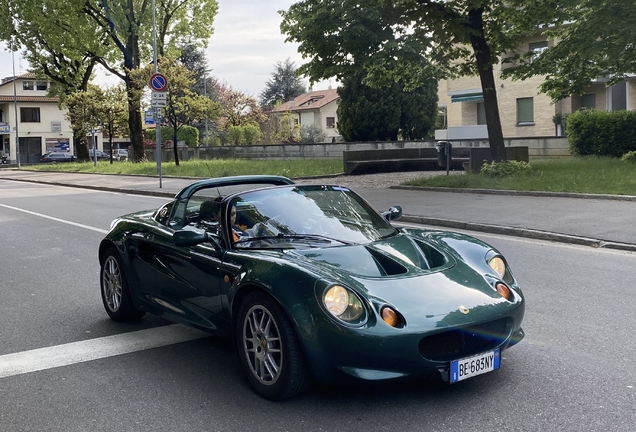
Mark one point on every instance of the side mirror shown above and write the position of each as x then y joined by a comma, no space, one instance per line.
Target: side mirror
394,213
185,238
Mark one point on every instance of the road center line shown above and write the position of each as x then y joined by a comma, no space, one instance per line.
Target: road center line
94,349
99,230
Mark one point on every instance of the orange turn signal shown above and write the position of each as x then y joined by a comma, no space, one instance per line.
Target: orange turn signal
389,316
503,290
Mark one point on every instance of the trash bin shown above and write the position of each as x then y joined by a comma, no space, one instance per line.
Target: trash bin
4,160
444,153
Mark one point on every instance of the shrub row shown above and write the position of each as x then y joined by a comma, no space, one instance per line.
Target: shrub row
601,133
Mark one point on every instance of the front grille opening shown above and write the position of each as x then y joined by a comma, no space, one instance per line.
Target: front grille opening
466,341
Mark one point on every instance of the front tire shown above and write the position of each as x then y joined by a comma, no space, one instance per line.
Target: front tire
114,288
269,350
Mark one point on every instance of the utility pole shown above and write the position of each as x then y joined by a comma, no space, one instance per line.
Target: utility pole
156,110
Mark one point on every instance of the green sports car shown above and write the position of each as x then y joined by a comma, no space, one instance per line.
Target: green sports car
310,282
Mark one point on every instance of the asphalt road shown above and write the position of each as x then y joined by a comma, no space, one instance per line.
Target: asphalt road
573,372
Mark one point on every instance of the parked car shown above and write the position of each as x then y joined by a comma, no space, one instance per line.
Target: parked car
100,155
57,157
318,285
120,154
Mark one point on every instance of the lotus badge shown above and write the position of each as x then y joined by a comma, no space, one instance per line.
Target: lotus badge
464,310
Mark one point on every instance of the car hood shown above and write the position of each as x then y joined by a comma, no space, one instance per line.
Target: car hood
420,275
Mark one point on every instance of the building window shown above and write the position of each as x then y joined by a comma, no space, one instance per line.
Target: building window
481,113
27,85
30,115
588,101
537,48
41,85
331,122
525,111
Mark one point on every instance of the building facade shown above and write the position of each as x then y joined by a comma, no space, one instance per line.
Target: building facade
316,107
524,111
32,119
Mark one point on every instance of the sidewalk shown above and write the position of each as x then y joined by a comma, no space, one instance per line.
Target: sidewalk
597,221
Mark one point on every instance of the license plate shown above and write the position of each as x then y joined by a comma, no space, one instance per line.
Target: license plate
469,367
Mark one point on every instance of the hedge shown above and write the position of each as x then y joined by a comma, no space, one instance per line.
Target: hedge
601,133
188,134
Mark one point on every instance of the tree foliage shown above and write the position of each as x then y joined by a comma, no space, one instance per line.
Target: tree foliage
283,86
183,106
597,41
70,36
112,113
238,108
388,39
313,133
367,113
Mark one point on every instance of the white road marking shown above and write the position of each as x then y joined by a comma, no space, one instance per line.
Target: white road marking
99,230
94,349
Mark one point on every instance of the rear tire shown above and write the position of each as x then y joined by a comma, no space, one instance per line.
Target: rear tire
269,350
114,288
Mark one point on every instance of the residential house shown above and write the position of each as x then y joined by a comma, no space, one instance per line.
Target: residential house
41,126
524,111
316,107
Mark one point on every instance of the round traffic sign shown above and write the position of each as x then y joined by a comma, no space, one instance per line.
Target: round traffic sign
158,82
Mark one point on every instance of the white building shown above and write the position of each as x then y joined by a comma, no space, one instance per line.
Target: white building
316,107
41,124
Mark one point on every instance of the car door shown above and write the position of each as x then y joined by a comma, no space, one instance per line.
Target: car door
183,282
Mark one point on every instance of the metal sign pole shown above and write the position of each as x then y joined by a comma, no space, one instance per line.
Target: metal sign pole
156,109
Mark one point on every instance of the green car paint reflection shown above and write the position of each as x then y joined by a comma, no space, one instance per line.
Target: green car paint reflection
317,286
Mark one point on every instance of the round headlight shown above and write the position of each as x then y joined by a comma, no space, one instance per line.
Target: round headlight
343,304
498,265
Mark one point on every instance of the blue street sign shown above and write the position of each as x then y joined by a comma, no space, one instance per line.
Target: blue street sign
158,82
149,118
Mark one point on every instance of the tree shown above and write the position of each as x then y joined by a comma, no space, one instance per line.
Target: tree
116,34
370,114
239,109
183,106
287,130
193,58
598,41
130,25
112,113
83,108
283,86
313,133
388,39
60,43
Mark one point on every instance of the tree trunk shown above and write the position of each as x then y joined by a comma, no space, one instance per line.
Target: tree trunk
134,120
487,78
80,143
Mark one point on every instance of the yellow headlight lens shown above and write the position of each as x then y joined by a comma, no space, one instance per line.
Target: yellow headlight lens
498,265
343,304
337,300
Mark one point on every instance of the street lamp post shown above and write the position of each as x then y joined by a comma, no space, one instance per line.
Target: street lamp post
15,106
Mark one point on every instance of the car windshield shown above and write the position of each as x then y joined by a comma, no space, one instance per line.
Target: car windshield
306,216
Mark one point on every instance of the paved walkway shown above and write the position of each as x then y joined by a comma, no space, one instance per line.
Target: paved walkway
598,221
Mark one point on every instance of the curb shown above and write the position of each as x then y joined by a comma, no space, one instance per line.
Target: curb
521,232
520,193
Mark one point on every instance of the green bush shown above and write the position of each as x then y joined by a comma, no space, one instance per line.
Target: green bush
601,133
504,169
188,134
629,157
234,135
252,134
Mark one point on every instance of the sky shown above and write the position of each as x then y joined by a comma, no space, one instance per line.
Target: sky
242,51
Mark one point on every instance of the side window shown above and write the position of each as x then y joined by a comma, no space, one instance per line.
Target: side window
537,48
27,85
30,115
163,214
525,111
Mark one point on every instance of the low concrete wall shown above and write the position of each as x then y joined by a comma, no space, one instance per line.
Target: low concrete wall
537,147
